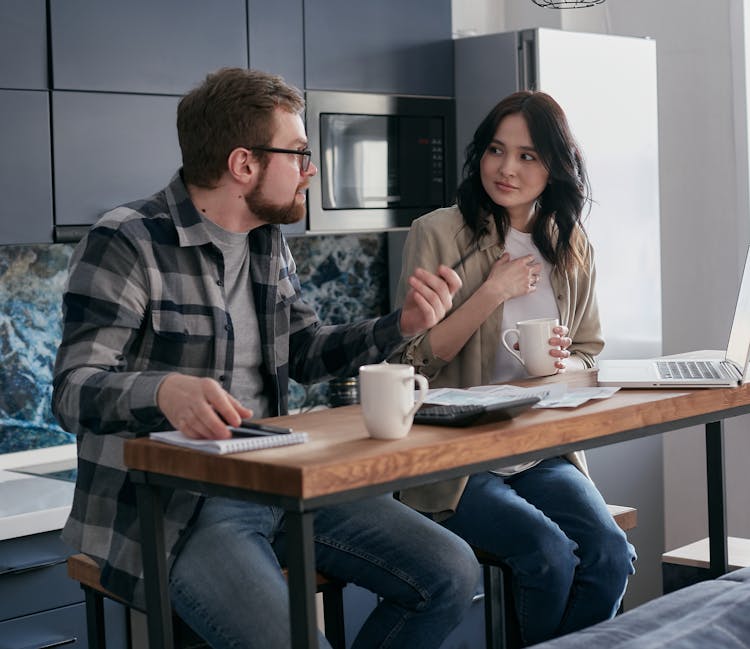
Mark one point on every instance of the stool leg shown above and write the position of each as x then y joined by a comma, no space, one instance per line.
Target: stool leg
333,616
510,617
128,628
94,618
494,627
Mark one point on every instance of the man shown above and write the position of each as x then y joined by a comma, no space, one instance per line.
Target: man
184,311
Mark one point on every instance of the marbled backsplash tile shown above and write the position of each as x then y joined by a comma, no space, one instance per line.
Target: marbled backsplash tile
344,277
31,284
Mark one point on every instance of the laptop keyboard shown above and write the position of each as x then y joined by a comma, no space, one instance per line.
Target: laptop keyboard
687,370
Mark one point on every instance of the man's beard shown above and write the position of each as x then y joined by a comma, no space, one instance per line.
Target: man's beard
270,212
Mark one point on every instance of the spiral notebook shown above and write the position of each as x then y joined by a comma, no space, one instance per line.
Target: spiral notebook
232,445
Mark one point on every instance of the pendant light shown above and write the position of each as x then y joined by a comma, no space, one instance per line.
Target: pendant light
567,4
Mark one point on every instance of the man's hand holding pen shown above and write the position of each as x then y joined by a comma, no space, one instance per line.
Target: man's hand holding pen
429,298
199,406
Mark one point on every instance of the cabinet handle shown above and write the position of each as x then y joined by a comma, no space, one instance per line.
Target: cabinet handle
35,565
70,233
50,644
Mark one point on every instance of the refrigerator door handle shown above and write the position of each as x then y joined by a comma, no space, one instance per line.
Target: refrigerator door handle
527,60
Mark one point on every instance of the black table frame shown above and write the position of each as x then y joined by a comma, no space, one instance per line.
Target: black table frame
300,513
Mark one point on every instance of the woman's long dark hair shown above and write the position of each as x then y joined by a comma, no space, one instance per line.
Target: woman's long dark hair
557,230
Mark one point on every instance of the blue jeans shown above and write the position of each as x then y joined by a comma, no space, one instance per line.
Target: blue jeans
226,582
570,561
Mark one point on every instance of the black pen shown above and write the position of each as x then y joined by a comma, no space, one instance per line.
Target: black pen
465,257
250,428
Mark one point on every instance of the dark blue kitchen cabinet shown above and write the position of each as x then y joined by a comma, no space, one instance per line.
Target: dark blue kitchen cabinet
110,149
391,46
276,38
25,167
276,44
141,46
117,70
40,606
23,44
60,627
29,565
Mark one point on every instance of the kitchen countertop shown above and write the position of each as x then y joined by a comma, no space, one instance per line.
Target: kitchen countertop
31,502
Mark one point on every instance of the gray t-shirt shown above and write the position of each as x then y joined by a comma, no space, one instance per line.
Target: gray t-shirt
247,382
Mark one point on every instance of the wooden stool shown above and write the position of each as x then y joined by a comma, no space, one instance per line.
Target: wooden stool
85,570
500,622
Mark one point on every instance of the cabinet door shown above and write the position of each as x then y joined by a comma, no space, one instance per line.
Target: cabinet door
276,45
110,149
398,46
144,46
33,575
23,44
25,168
276,38
61,627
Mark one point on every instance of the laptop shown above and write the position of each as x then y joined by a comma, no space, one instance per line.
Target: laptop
696,370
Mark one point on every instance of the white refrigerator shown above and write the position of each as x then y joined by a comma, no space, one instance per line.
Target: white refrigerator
607,87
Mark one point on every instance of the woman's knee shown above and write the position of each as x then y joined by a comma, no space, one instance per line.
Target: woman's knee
610,562
553,559
620,555
615,548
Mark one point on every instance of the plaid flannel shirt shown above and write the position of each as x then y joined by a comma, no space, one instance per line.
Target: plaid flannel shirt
145,297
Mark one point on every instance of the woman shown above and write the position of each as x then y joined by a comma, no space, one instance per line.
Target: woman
521,250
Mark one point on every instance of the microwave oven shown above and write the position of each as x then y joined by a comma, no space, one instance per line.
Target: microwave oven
383,160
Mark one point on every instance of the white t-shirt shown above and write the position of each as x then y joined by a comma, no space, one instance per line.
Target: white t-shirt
540,303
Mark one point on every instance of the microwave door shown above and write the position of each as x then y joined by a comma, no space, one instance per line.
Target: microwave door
358,163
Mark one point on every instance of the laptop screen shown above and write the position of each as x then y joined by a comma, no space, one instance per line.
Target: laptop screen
739,337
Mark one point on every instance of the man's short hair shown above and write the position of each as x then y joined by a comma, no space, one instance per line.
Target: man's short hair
232,107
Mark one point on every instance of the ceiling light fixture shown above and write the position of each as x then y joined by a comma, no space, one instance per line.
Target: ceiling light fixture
567,4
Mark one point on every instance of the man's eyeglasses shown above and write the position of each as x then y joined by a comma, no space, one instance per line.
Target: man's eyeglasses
305,154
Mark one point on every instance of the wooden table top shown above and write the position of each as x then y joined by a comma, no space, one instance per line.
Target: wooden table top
341,457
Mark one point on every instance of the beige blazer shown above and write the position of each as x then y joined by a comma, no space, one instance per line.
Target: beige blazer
441,237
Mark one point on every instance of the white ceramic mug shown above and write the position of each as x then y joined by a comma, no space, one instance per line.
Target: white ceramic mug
386,392
533,337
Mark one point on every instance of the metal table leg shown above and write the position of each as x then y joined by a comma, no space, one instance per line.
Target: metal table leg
158,606
301,565
717,504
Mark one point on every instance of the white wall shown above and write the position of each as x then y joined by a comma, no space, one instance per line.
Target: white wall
705,229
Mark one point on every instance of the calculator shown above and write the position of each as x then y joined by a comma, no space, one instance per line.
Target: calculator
471,415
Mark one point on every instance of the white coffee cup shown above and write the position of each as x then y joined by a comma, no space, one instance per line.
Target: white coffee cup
533,337
386,392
